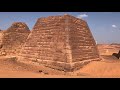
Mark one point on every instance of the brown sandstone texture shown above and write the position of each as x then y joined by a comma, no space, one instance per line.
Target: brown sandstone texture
60,42
12,39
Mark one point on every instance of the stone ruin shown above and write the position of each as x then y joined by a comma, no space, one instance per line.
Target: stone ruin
12,39
60,42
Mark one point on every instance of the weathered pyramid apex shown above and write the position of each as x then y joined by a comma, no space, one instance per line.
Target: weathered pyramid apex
19,24
18,27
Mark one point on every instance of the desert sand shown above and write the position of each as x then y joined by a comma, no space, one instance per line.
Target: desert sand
108,67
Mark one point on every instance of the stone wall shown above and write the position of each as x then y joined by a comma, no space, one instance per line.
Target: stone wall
61,42
13,38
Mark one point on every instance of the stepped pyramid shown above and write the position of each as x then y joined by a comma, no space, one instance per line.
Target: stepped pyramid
60,42
13,38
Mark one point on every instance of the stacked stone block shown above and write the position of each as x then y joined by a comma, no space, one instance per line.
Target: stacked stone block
13,38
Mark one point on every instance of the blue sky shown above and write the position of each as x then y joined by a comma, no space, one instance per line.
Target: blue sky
105,26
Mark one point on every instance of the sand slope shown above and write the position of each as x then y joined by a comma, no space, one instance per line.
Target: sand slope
108,67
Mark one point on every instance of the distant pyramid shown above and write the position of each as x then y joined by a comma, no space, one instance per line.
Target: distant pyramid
13,38
20,27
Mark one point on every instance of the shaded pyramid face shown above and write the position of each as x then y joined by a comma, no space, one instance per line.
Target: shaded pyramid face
60,42
13,38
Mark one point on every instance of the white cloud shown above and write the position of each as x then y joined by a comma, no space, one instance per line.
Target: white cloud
114,26
82,16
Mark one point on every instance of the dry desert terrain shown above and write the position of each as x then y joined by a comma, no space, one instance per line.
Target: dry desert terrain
108,67
105,68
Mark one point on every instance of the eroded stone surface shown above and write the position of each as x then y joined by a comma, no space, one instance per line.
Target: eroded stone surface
12,39
20,27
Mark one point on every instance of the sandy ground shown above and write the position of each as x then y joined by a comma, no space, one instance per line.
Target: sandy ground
108,67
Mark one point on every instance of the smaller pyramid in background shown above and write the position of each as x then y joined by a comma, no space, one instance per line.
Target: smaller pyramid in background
13,38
